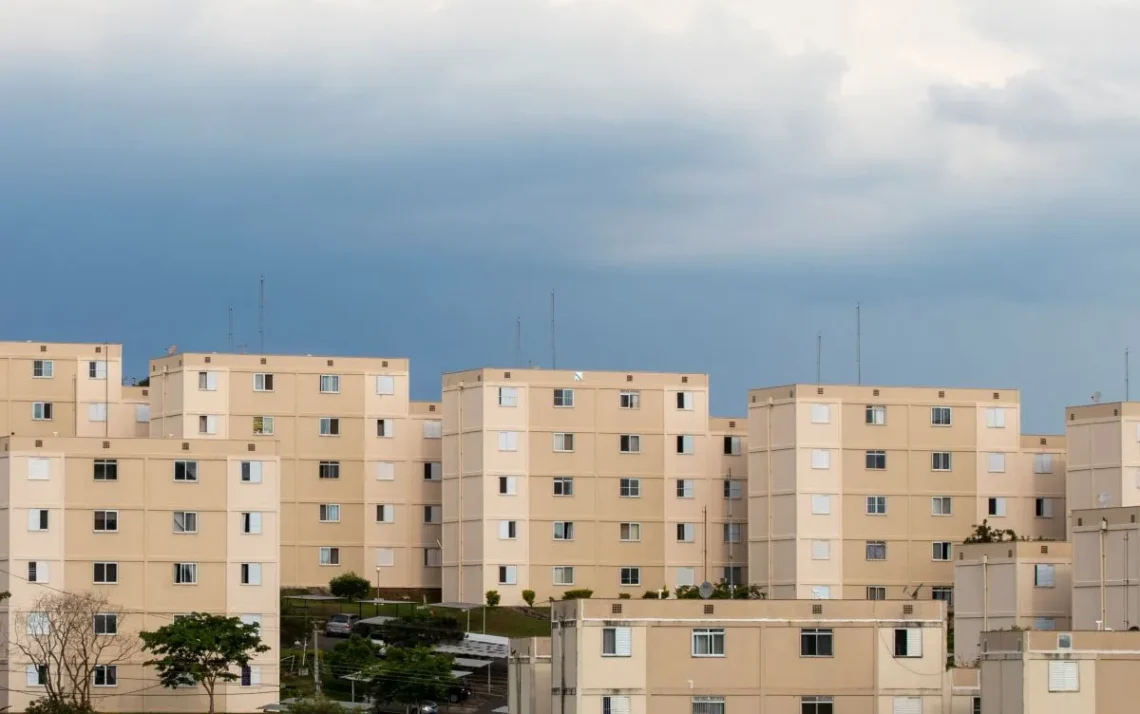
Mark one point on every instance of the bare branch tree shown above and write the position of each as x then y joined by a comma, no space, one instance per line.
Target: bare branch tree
71,635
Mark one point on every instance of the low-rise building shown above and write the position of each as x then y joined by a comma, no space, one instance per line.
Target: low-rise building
1106,568
529,676
965,690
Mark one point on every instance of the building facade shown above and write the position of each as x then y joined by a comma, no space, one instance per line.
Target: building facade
360,462
529,676
1106,568
1104,456
862,492
157,527
611,481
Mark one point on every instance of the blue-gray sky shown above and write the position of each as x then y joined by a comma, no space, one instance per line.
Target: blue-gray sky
705,183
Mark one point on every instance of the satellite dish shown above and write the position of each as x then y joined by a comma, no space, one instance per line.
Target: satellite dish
171,349
705,590
577,376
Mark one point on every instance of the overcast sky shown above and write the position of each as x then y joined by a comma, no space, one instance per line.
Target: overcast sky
705,183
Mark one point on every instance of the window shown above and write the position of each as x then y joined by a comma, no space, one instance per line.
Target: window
251,471
940,416
820,414
629,444
251,620
685,401
1065,641
328,513
507,486
1044,507
731,532
250,676
508,397
263,382
1064,676
36,675
821,550
432,514
732,445
876,592
563,575
976,706
385,428
563,486
686,444
816,642
876,460
97,412
142,413
997,506
940,550
41,411
1043,463
617,642
105,573
821,459
945,593
263,425
876,505
385,513
207,424
39,469
686,532
820,592
941,506
38,519
1044,576
817,705
186,471
507,575
106,470
97,370
630,488
330,384
106,624
329,556
733,574
995,418
563,442
433,558
686,488
385,471
508,441
685,576
106,675
615,705
185,522
1047,624
563,530
563,397
908,642
996,463
629,531
433,470
38,623
876,550
208,381
940,461
38,572
328,469
708,642
385,384
875,415
733,489
820,504
433,429
185,573
630,399
907,705
106,521
630,576
330,426
251,520
43,369
251,573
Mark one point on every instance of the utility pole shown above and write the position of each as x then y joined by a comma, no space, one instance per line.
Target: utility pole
705,541
316,661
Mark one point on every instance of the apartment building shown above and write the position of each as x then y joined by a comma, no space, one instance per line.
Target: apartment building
159,528
612,481
1001,586
68,389
1060,672
360,462
1104,456
862,492
528,675
1106,568
754,656
965,690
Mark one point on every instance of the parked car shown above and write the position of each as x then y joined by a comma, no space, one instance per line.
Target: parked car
458,693
341,624
429,708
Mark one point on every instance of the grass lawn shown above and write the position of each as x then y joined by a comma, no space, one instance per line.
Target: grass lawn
501,621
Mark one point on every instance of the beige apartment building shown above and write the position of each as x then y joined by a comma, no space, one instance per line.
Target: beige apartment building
1104,455
863,492
1060,672
360,462
612,481
528,675
1106,568
1001,586
158,527
754,656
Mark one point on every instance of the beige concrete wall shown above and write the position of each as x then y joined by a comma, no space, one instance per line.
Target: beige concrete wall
529,676
1105,566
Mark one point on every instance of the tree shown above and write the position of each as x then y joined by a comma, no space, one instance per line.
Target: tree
352,655
528,597
71,635
202,649
411,676
421,628
985,534
350,586
493,598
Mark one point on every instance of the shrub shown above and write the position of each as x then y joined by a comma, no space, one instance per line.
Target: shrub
651,595
314,705
578,594
54,705
623,596
528,597
350,586
493,598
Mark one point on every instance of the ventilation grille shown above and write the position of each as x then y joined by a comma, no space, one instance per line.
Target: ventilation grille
185,445
732,425
753,398
1045,549
506,375
146,392
43,348
908,609
819,390
106,444
207,360
431,407
709,609
39,443
251,447
1044,441
615,609
684,380
817,609
98,350
875,392
941,395
384,363
629,377
263,361
329,363
997,395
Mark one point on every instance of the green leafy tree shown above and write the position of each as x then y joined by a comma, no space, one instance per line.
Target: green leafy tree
528,597
411,676
311,705
493,598
350,586
987,534
202,649
422,628
352,655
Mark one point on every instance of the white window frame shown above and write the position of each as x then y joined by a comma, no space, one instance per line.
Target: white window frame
629,576
39,520
874,547
629,399
941,506
563,442
386,513
330,384
563,571
629,487
821,459
684,575
1044,575
508,575
433,429
328,470
263,382
733,489
511,484
189,471
622,641
508,396
433,471
42,411
821,550
328,556
567,486
713,639
820,413
250,574
207,381
108,515
913,643
45,367
686,488
39,468
560,395
937,414
629,444
686,532
733,532
185,573
385,384
208,424
385,428
685,401
97,412
105,618
995,417
107,576
995,463
875,415
1064,676
820,504
142,413
1043,463
629,532
266,426
39,571
252,521
686,444
871,459
189,518
328,426
941,461
433,514
1043,507
941,551
110,671
251,471
566,528
508,441
385,471
873,503
97,369
999,509
508,530
325,513
734,444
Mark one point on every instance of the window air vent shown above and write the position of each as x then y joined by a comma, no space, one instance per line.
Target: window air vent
709,609
329,363
997,395
615,609
39,443
753,398
208,359
629,377
875,392
43,348
941,395
1044,441
684,380
1045,549
961,555
263,361
908,609
819,390
732,425
506,375
817,609
1009,553
384,363
1072,416
1080,521
1116,412
185,445
106,444
431,407
251,447
146,392
98,350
